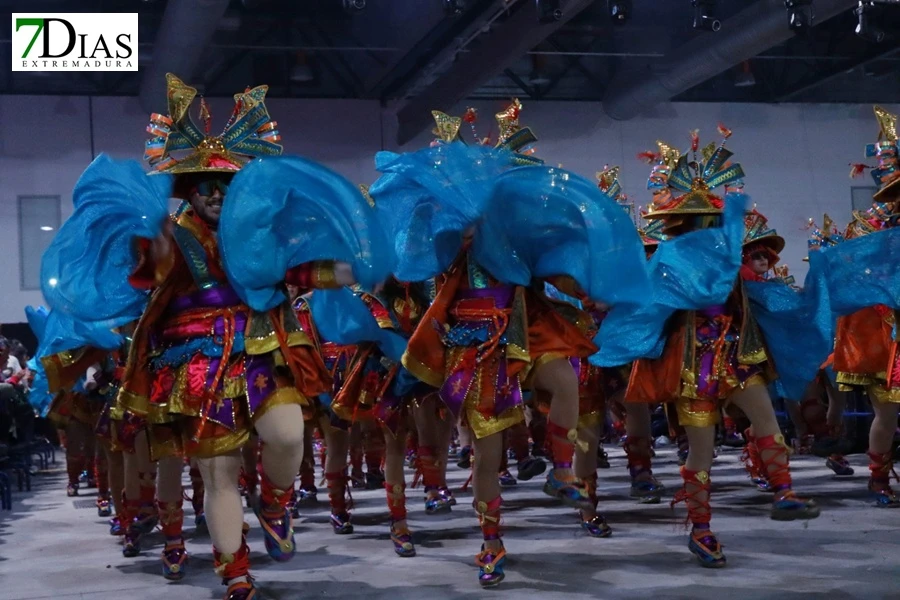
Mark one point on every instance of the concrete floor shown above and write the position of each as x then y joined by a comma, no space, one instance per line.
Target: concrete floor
51,549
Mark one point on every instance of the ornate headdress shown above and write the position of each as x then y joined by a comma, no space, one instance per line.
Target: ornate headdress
653,233
758,233
249,133
887,173
511,136
608,182
683,184
822,237
880,216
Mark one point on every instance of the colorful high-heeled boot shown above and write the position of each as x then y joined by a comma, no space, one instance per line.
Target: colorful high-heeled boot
753,463
74,466
505,479
174,555
839,465
400,535
131,543
881,466
104,508
703,542
787,505
592,521
340,519
234,569
276,520
644,486
115,526
433,477
561,482
491,560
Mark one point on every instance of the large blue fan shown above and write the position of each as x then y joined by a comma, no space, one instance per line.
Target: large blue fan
798,327
691,272
286,211
427,199
84,271
862,272
542,221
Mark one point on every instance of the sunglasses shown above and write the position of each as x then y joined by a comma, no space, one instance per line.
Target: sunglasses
759,256
209,187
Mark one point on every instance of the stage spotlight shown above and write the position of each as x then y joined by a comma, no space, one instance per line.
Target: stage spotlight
800,15
354,6
705,15
867,26
549,10
619,11
454,7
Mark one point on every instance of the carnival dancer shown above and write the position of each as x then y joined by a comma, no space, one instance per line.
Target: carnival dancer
712,356
218,352
488,334
865,352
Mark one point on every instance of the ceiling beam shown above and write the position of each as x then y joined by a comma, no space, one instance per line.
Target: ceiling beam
818,78
489,54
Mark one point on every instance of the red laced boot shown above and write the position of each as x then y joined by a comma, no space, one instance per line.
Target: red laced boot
592,521
400,535
234,569
561,482
174,555
753,464
492,558
433,472
337,495
881,467
695,494
275,519
773,453
644,486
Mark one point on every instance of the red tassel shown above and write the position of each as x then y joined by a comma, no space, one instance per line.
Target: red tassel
724,131
857,169
471,115
649,157
695,139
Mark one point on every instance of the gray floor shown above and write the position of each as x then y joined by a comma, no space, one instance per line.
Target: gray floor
51,549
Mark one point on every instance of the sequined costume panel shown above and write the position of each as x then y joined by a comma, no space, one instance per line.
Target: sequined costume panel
204,367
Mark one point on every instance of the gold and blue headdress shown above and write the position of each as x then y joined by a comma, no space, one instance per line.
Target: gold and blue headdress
684,184
758,233
249,133
608,181
511,135
825,236
887,174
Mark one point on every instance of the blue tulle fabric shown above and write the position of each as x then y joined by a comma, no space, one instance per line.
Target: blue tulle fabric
798,328
285,211
543,221
426,199
58,332
862,272
85,269
343,318
691,272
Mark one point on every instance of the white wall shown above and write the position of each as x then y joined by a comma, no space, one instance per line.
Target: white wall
796,156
